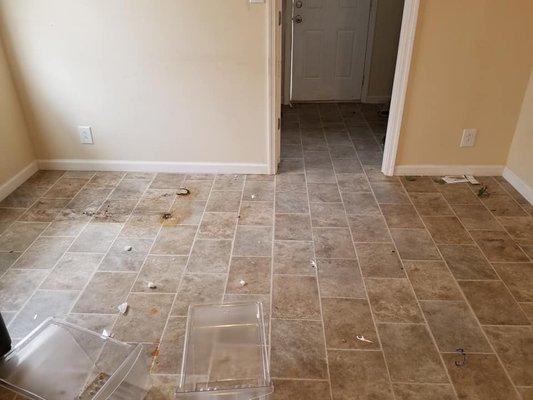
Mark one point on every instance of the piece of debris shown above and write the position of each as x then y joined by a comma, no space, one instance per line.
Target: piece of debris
166,215
128,248
152,285
183,191
35,317
88,213
242,282
106,333
410,178
462,362
314,264
123,308
361,338
483,192
439,181
455,179
253,196
235,177
472,180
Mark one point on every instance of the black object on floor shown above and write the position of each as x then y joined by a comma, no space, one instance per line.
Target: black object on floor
5,339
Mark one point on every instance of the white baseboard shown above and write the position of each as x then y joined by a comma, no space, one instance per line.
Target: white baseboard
376,99
153,166
17,180
522,187
435,170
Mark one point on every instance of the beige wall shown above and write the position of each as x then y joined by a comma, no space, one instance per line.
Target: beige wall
16,151
471,64
166,80
385,48
520,160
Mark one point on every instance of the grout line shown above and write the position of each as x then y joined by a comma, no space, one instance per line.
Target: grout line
328,372
225,293
169,316
363,282
271,292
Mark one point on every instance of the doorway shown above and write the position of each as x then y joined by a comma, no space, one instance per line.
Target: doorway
280,81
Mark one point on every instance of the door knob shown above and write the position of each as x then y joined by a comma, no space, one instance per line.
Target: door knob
298,19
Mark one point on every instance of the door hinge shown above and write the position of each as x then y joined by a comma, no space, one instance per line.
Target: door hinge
279,124
279,18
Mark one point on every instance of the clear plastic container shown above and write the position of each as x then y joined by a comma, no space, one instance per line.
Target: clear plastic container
60,361
225,354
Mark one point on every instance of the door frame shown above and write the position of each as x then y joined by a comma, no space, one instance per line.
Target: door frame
399,87
274,77
369,49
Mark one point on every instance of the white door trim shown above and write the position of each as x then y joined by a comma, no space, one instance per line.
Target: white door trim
287,50
399,87
274,86
369,49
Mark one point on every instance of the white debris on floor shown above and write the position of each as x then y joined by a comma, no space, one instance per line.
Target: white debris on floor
123,308
361,338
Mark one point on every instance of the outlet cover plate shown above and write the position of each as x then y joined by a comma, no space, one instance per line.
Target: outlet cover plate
86,134
469,138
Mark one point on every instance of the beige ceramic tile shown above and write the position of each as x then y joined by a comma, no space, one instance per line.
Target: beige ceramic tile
359,375
298,350
481,378
340,278
393,300
295,297
210,256
379,260
454,326
431,280
292,257
415,244
492,303
410,354
249,275
347,319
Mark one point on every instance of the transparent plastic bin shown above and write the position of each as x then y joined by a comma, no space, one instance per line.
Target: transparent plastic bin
60,361
225,354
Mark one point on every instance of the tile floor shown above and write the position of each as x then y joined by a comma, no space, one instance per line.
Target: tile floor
417,268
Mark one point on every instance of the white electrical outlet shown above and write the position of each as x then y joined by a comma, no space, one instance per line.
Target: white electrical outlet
86,134
469,138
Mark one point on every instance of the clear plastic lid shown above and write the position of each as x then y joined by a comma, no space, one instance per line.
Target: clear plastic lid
60,361
225,354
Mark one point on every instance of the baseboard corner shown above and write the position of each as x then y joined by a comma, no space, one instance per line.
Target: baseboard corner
519,184
18,179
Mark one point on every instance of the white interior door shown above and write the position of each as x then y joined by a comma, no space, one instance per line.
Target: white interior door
329,45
